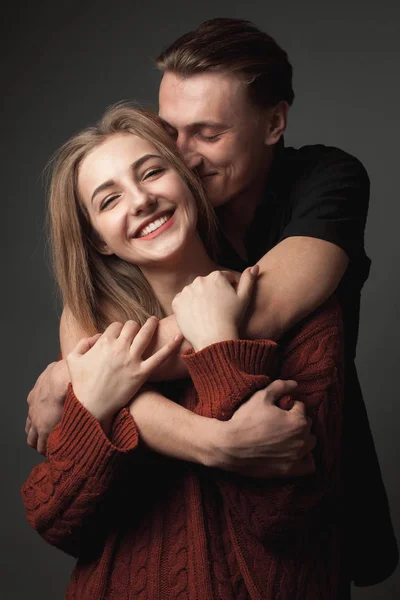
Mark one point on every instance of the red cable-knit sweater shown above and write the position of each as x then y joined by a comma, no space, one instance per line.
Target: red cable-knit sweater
148,527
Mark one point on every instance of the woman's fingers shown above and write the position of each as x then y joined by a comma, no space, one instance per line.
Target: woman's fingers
92,340
129,331
85,344
82,346
246,285
165,352
231,277
113,331
144,336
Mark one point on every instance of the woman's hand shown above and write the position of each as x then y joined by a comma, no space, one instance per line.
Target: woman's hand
210,309
107,375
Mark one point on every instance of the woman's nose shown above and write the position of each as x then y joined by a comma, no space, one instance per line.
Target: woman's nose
142,202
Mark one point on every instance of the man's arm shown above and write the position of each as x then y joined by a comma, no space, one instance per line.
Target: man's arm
260,440
248,444
325,232
295,278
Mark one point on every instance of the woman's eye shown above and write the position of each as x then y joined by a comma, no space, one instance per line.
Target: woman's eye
107,201
152,172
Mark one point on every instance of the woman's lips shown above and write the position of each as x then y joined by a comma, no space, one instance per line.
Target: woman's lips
161,229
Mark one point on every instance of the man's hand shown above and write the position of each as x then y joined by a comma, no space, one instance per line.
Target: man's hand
46,401
262,440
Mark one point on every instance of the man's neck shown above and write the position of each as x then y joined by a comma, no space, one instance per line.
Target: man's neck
236,216
169,278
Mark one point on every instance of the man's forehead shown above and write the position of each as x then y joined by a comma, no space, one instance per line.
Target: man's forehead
197,100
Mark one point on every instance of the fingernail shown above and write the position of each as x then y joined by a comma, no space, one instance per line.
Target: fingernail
254,270
178,337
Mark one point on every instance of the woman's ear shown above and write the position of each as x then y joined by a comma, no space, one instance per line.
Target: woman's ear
100,244
103,248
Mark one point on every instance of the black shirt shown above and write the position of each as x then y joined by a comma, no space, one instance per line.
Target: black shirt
323,192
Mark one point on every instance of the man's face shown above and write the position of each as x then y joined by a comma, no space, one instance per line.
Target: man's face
219,132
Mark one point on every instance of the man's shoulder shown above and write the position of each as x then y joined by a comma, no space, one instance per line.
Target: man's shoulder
318,159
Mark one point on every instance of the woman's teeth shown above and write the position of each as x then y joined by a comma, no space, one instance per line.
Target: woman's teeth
154,225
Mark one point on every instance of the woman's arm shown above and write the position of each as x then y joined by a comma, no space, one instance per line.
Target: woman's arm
208,310
63,492
65,489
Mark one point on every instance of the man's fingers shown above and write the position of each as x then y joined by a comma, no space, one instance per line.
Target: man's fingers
165,352
28,424
246,285
280,388
41,444
32,437
300,408
312,442
306,466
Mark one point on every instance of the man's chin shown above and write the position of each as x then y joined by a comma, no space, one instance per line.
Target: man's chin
216,200
215,195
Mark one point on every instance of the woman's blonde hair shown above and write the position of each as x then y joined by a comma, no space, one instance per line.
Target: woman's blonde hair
96,288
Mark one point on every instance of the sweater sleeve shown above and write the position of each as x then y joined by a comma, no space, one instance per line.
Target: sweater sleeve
227,373
62,492
313,356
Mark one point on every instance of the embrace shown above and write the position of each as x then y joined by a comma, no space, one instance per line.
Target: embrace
197,430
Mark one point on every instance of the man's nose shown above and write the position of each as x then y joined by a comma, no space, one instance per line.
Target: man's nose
188,150
193,160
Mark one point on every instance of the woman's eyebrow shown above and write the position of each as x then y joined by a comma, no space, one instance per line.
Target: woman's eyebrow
104,186
110,182
138,163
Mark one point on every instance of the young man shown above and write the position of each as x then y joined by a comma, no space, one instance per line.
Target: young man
225,94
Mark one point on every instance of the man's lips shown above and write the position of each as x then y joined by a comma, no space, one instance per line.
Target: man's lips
205,175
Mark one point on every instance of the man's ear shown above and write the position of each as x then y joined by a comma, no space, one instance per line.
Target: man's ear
276,122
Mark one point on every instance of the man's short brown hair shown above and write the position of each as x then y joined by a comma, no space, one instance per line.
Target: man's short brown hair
237,47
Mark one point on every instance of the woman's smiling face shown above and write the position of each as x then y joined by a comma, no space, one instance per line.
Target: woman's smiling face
139,205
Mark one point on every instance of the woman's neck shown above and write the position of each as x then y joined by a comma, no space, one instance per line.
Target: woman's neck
169,278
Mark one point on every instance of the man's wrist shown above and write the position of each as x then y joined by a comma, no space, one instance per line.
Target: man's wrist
214,439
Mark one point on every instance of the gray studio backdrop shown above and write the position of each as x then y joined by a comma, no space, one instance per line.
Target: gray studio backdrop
63,63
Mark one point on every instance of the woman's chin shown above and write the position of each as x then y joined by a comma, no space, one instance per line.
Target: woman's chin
165,254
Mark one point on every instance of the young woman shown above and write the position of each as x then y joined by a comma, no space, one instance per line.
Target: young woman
133,237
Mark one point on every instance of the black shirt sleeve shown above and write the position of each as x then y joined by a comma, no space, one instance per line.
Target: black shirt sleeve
330,199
